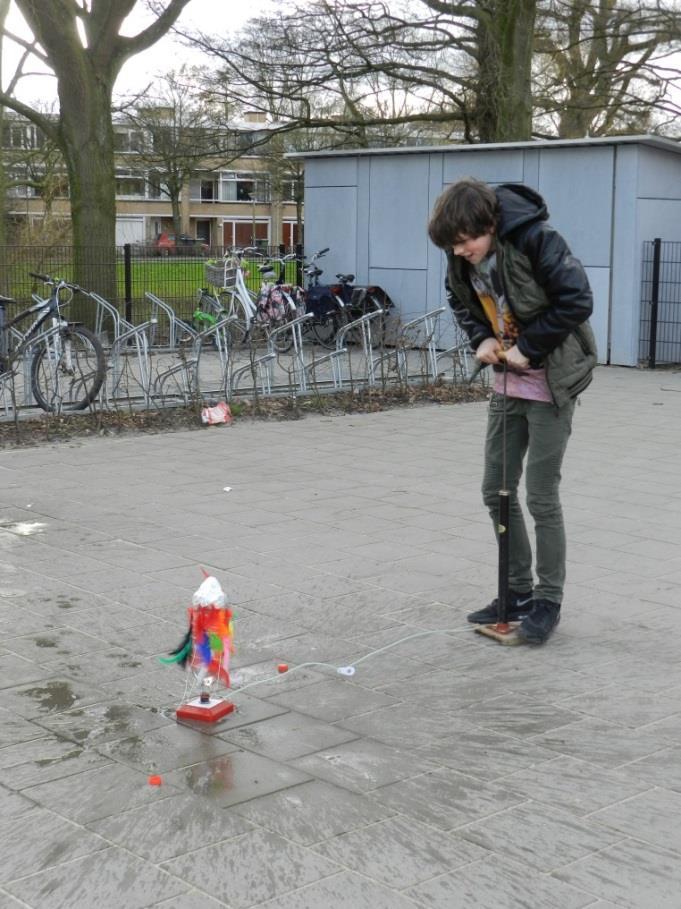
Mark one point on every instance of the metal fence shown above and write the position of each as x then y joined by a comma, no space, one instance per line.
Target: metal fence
660,326
174,275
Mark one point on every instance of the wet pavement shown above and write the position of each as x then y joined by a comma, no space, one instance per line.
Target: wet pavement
446,771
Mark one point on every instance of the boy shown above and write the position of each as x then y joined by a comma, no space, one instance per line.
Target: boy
523,298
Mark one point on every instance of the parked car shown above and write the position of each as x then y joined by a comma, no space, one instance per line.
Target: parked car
167,245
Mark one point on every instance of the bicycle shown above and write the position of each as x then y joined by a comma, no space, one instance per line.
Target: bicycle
321,304
251,316
336,305
67,360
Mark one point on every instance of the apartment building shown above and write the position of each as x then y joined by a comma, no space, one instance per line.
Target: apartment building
219,205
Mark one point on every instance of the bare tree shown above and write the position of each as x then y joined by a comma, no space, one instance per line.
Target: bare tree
464,66
367,72
599,66
179,131
80,41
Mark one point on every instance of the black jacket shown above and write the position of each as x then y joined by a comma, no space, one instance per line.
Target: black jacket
545,286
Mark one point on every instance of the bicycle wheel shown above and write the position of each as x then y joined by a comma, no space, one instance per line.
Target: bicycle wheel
238,329
325,329
378,325
282,341
68,370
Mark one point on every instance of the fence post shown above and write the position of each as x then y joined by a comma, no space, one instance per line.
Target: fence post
654,300
127,272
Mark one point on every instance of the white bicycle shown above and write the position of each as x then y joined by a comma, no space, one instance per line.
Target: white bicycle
254,317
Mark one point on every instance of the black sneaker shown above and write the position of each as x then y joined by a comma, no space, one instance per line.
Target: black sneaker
538,625
519,606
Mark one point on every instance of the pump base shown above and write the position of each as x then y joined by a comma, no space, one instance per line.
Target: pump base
207,712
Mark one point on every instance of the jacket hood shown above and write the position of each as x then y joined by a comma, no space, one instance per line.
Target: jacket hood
520,206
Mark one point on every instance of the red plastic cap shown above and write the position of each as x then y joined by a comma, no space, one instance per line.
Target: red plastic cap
155,780
282,667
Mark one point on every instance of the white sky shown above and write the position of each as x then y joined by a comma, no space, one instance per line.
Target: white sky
215,16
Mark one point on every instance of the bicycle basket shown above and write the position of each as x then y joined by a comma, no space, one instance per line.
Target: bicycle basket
215,275
222,274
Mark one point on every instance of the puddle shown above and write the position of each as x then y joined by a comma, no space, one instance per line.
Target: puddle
53,696
67,756
45,642
65,603
117,712
211,779
97,722
129,664
22,528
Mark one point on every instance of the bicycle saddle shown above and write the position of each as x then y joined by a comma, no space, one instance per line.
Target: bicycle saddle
346,279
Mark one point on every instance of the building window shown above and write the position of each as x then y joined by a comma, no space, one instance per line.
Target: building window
22,135
128,140
155,185
130,185
289,233
209,190
244,187
291,190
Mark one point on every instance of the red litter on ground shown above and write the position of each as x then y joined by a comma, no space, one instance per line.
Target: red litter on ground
282,667
155,780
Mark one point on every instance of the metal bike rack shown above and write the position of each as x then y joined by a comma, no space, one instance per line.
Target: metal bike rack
425,325
129,349
219,337
297,371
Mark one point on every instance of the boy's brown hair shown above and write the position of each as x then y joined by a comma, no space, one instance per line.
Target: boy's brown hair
467,208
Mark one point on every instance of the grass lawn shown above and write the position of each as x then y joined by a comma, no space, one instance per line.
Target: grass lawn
175,279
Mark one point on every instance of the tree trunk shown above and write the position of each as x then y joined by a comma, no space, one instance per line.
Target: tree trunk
87,137
4,9
504,98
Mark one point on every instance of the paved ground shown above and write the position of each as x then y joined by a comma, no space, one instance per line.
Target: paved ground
447,772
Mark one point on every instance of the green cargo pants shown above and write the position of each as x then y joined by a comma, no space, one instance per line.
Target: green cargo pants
540,431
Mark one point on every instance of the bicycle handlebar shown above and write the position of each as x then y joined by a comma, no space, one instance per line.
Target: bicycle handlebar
242,251
55,282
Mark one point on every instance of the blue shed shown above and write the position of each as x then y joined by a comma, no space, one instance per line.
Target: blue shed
606,196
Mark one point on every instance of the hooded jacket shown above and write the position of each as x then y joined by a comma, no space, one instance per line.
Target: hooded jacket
546,288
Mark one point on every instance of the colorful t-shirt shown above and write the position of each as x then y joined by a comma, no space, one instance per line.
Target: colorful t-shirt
531,384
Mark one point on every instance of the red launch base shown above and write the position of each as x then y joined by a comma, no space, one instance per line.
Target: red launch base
205,711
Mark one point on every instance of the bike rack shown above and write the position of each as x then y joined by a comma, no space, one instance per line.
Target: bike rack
461,356
334,358
130,345
159,306
219,335
297,371
211,366
425,324
5,393
104,309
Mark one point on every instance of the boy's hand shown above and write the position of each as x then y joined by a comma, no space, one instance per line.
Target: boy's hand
516,360
488,351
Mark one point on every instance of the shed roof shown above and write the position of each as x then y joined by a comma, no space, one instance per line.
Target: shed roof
653,141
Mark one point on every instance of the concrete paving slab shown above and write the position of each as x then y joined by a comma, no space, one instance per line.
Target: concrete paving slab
446,772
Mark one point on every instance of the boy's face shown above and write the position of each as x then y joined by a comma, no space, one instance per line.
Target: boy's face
474,249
